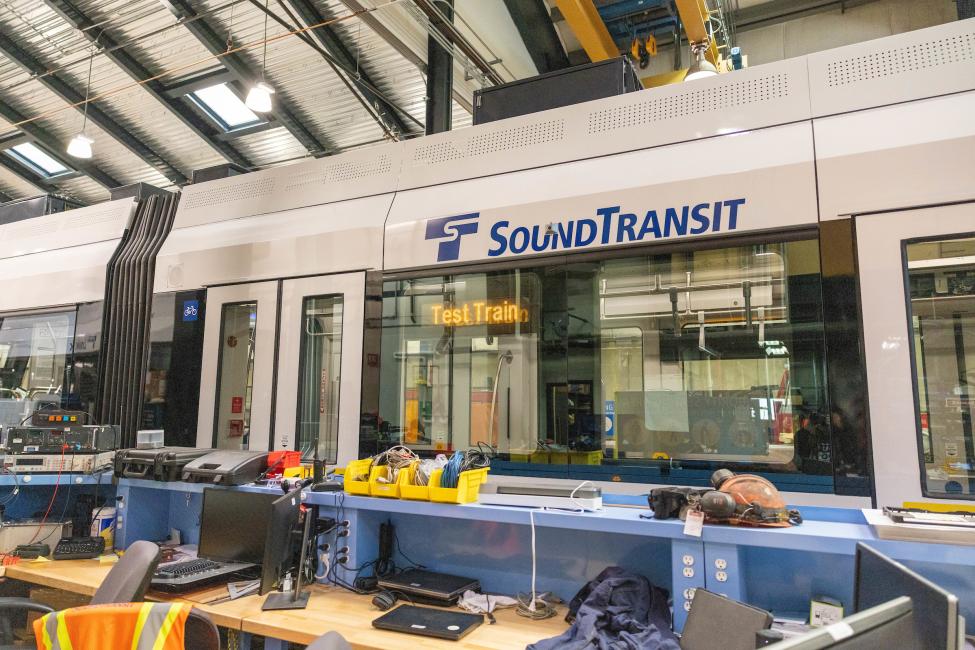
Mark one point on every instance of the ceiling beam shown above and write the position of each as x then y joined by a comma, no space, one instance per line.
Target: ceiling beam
236,64
537,31
132,67
457,39
25,175
4,197
54,145
106,123
361,85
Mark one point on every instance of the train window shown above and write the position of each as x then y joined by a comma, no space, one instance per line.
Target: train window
941,288
235,376
34,352
644,368
318,390
171,393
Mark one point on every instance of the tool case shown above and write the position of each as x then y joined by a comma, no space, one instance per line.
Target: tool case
160,464
226,467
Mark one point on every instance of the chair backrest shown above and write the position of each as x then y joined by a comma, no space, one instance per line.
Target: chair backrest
330,641
201,633
129,579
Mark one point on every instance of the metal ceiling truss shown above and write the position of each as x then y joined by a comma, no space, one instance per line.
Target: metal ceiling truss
26,175
242,72
354,76
535,26
105,122
439,27
123,59
53,144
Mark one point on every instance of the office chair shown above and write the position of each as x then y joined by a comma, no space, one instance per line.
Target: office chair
330,641
127,582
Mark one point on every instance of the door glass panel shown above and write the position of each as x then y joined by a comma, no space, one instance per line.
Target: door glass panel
238,324
318,388
33,353
941,282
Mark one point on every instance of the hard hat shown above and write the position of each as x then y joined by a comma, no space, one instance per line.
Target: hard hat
756,501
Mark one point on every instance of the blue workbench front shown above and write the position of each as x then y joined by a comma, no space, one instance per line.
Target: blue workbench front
779,569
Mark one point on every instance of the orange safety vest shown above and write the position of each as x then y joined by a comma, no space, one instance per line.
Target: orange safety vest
139,626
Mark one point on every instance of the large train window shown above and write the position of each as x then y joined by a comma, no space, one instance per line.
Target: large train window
652,367
941,284
318,387
235,377
35,351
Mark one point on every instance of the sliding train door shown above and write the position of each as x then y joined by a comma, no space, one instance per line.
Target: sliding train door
238,364
320,366
917,287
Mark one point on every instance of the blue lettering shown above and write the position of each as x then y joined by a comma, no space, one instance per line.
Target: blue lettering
607,215
625,225
716,219
680,223
563,235
650,226
516,246
537,246
497,236
585,240
698,216
733,217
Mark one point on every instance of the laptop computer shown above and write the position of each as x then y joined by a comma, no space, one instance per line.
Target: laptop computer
432,588
718,622
426,621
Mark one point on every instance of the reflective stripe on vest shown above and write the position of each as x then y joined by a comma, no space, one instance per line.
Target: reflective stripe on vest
152,628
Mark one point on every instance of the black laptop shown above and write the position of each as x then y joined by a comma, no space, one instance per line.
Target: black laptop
429,587
426,621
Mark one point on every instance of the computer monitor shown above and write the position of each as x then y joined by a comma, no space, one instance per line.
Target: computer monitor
880,578
280,543
879,628
234,524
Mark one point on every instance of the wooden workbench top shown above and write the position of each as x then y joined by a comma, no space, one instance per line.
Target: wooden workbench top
329,608
351,615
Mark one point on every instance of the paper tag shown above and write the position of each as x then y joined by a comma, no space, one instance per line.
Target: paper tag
107,559
694,523
840,631
40,558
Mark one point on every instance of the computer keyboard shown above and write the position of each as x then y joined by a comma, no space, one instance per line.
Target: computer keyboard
186,568
79,548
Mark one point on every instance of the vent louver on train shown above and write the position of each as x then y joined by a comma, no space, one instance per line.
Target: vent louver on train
691,102
510,139
127,314
959,48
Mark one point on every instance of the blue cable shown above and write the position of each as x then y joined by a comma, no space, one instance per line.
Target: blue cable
451,471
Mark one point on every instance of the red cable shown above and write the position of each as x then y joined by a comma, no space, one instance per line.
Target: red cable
54,496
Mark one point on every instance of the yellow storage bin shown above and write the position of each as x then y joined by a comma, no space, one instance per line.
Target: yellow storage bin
558,457
468,486
586,457
379,489
357,476
409,491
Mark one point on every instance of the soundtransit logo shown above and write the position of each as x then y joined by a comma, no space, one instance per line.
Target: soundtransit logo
454,227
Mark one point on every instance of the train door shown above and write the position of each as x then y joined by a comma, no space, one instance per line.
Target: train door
238,364
917,286
320,366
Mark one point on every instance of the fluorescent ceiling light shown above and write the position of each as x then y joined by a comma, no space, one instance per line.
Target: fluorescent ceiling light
80,146
701,68
259,98
225,106
37,159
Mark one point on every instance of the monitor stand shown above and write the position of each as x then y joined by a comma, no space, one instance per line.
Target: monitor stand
294,599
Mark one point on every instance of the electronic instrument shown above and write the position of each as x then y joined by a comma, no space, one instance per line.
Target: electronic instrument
81,439
52,463
79,548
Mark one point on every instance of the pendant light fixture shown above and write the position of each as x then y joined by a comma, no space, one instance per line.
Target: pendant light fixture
259,96
701,67
80,145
